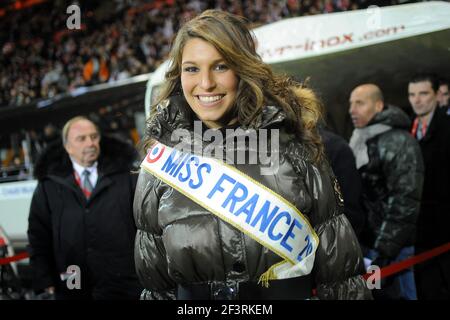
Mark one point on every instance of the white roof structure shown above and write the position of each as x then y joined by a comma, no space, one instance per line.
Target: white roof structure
304,37
309,46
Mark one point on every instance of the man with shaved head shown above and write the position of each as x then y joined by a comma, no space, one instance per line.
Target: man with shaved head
391,167
81,227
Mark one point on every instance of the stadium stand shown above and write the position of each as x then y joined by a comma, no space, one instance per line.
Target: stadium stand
41,58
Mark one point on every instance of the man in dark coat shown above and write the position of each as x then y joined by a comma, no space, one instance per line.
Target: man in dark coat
342,162
81,228
391,168
432,128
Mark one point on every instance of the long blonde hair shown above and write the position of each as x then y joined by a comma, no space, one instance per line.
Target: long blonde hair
258,86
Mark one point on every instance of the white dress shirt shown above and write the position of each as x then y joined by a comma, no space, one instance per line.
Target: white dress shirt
92,169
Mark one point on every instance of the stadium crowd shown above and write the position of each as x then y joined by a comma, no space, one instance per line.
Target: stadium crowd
40,58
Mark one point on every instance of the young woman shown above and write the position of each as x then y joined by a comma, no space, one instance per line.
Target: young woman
224,229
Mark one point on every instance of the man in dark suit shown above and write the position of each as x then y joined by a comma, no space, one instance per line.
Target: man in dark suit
431,128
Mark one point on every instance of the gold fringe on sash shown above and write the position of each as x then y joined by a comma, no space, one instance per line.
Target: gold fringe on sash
269,275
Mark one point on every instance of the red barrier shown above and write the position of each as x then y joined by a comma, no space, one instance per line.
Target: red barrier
405,264
385,272
17,257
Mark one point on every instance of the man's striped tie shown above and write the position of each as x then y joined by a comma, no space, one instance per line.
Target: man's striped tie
87,185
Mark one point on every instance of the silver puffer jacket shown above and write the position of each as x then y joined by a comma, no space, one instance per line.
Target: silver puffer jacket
180,242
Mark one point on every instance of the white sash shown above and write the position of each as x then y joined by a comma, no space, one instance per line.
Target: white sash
243,202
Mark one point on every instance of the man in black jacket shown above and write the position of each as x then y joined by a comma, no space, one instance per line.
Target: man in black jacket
391,168
432,128
342,162
81,228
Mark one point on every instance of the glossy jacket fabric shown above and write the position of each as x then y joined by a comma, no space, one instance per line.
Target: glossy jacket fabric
180,242
392,185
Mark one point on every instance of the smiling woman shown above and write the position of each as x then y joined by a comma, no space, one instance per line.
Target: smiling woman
209,85
216,229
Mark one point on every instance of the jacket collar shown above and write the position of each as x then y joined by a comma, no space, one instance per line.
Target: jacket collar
172,114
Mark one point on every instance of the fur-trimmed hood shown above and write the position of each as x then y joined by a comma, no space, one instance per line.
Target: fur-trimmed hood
115,156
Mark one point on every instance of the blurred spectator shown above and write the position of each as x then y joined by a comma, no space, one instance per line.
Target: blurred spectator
50,134
39,141
442,95
16,170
